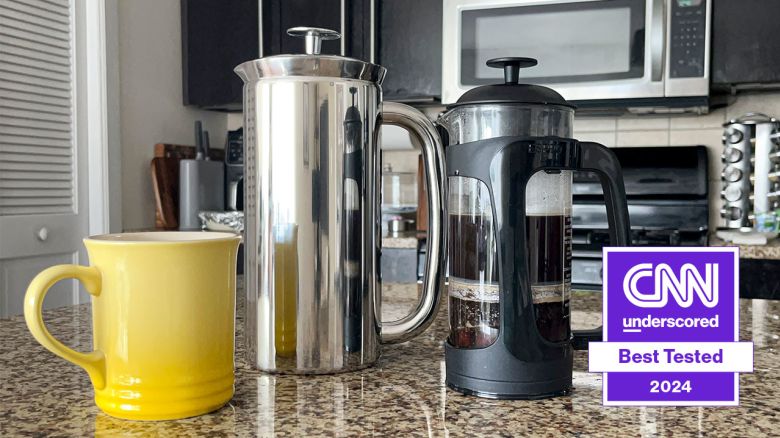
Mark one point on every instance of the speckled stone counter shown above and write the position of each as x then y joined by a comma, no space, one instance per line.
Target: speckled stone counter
404,395
770,251
402,240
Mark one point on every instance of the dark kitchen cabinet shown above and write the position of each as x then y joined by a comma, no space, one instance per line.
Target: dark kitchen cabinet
218,35
745,43
409,45
280,15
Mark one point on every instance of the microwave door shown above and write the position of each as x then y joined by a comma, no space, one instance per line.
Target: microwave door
587,49
650,84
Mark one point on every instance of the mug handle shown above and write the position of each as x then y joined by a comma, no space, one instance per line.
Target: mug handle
93,362
423,131
603,162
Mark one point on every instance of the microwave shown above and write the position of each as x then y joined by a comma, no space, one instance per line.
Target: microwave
641,55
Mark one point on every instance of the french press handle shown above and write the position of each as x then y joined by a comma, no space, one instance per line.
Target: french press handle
424,134
598,159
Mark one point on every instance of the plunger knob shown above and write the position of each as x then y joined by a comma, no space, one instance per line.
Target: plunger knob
512,66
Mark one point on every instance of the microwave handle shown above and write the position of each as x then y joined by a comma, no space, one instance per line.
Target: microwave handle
657,39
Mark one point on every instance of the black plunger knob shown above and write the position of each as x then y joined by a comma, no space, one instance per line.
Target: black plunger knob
512,66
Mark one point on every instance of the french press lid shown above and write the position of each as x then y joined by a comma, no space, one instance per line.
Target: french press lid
311,64
511,91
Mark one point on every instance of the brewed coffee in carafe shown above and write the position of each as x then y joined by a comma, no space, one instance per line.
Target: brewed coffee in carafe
474,308
548,241
473,265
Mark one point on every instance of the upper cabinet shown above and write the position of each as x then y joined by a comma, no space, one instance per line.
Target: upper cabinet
409,46
402,35
217,36
745,43
351,18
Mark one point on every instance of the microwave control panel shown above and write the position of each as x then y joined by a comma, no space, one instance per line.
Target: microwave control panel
688,36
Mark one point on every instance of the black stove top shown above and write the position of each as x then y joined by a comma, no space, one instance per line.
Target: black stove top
667,194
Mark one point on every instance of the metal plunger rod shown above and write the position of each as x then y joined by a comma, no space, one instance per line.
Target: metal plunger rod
313,43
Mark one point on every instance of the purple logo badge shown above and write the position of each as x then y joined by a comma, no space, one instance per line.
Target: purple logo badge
671,327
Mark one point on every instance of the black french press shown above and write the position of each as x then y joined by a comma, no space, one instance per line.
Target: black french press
510,158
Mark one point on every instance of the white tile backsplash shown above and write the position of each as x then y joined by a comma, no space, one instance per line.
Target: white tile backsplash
608,139
643,138
642,123
767,103
235,121
707,137
594,124
710,137
401,161
395,138
714,119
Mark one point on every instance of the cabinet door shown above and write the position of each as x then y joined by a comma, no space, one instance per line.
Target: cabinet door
280,15
216,37
351,18
745,42
360,29
410,48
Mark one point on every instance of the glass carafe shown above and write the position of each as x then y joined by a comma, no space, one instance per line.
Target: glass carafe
474,308
548,240
473,265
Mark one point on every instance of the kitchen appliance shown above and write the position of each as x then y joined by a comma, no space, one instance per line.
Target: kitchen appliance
399,200
165,180
234,170
510,158
399,191
640,55
201,183
668,205
751,173
312,210
163,321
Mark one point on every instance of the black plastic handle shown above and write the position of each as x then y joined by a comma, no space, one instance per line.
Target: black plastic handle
512,66
603,162
582,337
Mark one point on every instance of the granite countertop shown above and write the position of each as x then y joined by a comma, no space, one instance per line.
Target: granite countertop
42,395
770,251
400,240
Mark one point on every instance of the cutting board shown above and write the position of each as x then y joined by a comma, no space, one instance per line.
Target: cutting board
165,180
180,152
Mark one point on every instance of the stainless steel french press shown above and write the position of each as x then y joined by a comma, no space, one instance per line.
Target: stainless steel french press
313,238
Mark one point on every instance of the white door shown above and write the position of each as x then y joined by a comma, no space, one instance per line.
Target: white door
43,147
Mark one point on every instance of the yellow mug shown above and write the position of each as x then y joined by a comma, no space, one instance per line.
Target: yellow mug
163,318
